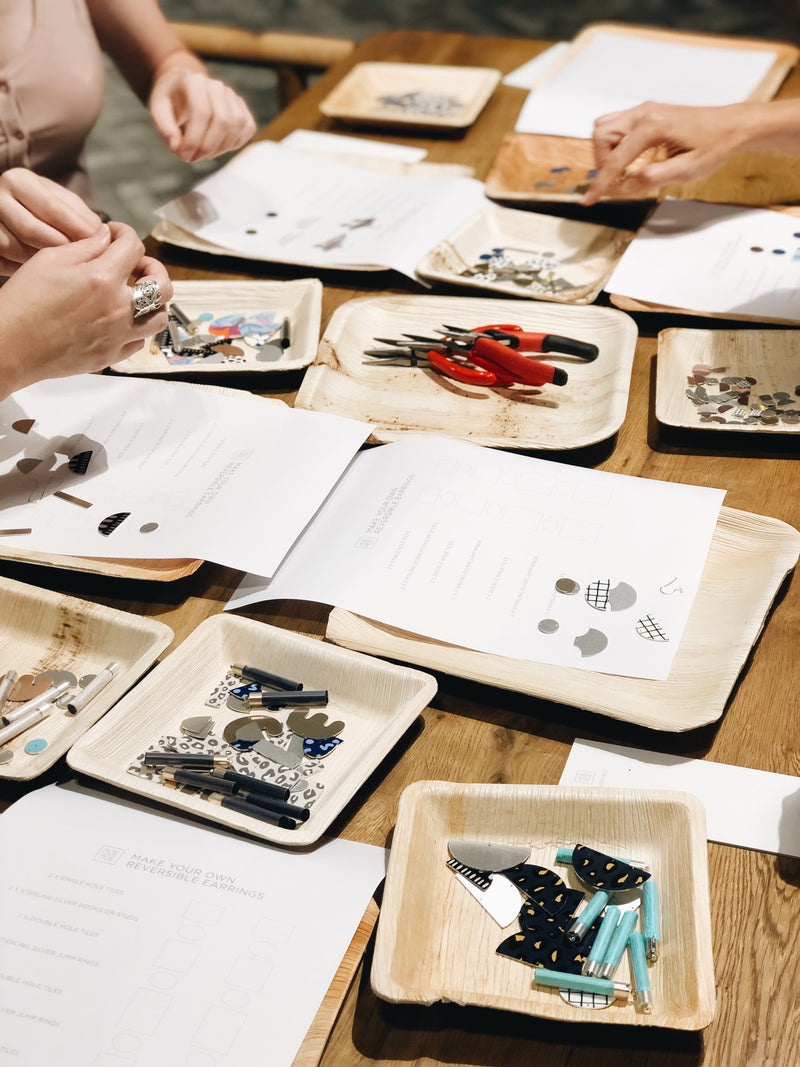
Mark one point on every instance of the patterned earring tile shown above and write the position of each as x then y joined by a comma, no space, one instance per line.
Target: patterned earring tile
604,872
544,888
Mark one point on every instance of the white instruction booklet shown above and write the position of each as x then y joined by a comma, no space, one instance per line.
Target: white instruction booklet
133,938
507,554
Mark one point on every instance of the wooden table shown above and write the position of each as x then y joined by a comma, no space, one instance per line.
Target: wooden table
479,734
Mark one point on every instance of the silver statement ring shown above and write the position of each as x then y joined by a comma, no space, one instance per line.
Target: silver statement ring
146,297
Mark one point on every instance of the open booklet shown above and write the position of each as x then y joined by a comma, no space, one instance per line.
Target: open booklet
507,554
275,204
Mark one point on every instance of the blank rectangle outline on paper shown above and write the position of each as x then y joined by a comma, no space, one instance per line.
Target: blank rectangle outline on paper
218,1030
198,912
178,956
145,1011
271,930
247,972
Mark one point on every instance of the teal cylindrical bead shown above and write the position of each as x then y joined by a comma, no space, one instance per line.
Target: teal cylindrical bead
598,950
650,922
618,943
579,982
641,975
583,921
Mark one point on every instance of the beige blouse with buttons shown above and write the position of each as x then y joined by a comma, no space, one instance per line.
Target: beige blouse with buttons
51,88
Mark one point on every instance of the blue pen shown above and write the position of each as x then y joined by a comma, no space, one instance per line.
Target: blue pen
650,921
581,925
601,942
641,977
618,943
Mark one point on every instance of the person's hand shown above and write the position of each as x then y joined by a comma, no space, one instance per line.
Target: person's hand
198,117
38,213
697,141
69,309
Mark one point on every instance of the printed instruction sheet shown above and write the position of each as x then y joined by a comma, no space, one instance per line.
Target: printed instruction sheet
714,258
290,207
138,939
129,468
507,554
745,807
615,71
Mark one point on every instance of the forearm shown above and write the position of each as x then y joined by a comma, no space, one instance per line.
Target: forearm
140,41
769,127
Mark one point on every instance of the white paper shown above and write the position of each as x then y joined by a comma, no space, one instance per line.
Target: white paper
464,544
293,208
232,479
502,900
714,257
752,809
337,144
530,74
132,938
615,71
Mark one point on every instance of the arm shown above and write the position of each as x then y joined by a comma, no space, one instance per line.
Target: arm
697,140
198,116
83,288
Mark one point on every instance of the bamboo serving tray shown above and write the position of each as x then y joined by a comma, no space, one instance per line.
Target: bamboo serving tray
768,361
724,624
534,168
527,159
318,1033
41,630
403,399
585,254
377,702
436,943
299,301
384,94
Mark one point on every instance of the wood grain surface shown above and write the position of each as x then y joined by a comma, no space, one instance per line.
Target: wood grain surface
474,733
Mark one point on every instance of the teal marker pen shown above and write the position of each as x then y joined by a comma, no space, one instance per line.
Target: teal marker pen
650,920
601,942
641,976
582,923
618,943
580,983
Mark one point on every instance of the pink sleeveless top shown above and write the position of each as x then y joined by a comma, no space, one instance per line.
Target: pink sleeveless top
50,94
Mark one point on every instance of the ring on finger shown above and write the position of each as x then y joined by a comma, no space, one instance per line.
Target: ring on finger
146,297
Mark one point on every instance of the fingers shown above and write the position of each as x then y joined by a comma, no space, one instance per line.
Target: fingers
40,213
618,143
152,268
123,254
209,116
165,120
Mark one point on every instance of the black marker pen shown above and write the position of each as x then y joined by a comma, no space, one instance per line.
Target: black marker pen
255,785
207,782
311,698
274,681
190,761
271,804
233,804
